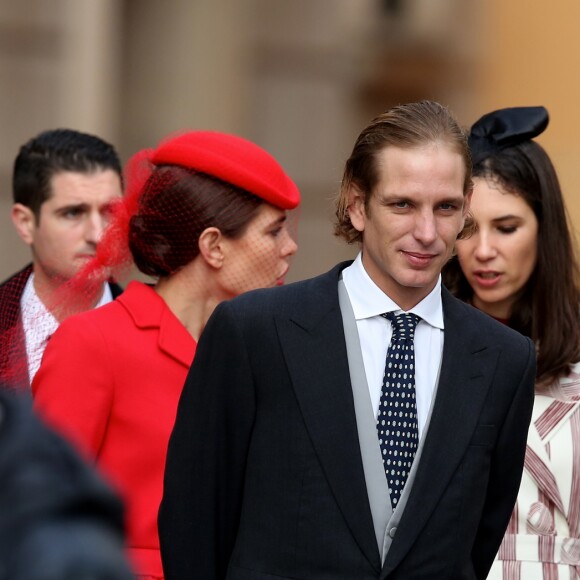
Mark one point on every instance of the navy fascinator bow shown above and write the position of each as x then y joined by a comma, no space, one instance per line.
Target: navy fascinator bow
505,128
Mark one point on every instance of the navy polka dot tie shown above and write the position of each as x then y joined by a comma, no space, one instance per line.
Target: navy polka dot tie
397,418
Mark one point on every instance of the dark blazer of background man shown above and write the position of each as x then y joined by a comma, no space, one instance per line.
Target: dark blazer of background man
63,184
274,468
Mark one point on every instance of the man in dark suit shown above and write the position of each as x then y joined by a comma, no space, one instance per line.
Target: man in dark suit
363,424
63,184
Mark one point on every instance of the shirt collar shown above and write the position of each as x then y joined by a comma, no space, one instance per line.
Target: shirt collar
33,309
39,324
106,297
369,300
31,303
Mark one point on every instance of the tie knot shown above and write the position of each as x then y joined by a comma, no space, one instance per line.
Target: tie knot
404,324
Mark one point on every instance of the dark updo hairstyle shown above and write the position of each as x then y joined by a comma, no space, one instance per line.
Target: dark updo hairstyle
177,204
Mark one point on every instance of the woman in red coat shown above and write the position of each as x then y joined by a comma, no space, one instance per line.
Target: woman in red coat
205,215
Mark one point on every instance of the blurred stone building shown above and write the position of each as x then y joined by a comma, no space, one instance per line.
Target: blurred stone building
300,77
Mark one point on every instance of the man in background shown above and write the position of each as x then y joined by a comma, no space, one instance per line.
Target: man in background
64,183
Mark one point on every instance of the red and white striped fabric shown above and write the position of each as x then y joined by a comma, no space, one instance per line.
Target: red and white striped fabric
543,537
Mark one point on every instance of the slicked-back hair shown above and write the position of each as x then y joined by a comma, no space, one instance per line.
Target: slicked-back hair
405,126
548,307
55,151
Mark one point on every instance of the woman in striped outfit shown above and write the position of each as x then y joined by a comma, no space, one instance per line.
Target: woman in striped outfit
519,266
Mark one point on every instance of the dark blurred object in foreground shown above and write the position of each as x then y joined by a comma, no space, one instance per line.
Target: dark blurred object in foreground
58,521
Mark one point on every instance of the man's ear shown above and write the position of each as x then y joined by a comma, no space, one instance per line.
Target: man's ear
210,247
24,221
356,208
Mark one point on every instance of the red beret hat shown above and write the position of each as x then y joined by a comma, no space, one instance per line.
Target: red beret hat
231,159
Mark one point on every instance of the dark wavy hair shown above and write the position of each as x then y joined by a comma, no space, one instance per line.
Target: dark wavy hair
176,206
548,308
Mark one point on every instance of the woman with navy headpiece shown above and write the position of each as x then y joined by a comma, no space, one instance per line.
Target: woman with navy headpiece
519,266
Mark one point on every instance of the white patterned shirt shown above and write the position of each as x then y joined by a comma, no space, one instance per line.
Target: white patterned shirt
39,324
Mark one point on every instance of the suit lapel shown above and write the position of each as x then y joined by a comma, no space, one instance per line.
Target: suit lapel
10,294
314,346
13,357
466,371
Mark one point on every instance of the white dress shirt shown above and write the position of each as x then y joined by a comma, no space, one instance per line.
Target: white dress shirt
39,324
368,303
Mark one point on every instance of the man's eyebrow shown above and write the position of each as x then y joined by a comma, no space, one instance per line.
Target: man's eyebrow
68,207
453,199
388,197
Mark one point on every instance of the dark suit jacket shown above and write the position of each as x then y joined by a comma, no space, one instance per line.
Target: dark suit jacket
13,365
264,478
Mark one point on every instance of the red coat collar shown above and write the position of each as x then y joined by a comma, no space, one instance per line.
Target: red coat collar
149,310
